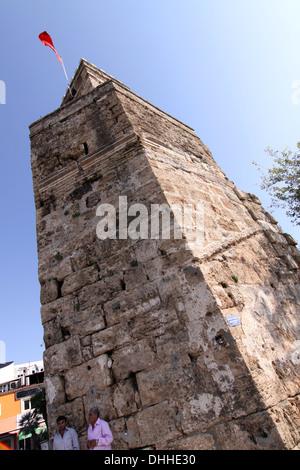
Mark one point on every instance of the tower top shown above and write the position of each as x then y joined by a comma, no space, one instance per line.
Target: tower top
87,77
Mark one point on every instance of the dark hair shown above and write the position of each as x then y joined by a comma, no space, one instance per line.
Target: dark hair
61,418
95,411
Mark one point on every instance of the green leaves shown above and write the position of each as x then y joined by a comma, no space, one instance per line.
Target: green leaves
282,181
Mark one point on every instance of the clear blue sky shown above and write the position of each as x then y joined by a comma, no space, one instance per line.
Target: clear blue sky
224,67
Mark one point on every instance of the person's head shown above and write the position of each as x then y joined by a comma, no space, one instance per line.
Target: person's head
61,422
94,414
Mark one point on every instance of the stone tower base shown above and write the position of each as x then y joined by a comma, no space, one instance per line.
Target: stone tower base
187,339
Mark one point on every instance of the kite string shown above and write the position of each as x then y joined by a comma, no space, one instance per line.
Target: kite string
65,75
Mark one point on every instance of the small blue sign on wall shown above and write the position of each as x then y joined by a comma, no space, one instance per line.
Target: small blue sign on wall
233,320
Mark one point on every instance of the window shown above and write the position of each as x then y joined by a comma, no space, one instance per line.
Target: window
4,387
26,405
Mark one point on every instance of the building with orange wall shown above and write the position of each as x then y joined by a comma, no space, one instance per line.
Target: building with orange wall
17,385
10,409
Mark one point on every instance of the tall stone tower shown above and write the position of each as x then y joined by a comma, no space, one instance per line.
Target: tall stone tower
185,338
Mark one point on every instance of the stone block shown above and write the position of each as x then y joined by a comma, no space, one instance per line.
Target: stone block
57,308
155,323
169,287
163,426
200,411
171,346
52,332
93,296
63,356
134,276
291,264
110,338
132,358
290,239
126,397
55,390
129,305
275,237
119,431
192,442
240,194
271,218
94,373
50,291
163,382
267,430
83,322
101,398
56,268
76,281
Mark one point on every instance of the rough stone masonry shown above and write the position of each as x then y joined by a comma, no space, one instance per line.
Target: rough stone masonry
180,345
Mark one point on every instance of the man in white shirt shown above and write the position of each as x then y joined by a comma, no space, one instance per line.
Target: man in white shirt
66,438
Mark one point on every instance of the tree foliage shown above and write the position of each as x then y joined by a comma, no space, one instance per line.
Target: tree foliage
282,181
30,422
29,425
38,401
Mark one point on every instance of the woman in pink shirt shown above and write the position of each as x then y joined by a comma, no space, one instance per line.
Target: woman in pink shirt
99,433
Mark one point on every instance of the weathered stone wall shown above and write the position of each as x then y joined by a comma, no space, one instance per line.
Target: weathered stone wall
138,327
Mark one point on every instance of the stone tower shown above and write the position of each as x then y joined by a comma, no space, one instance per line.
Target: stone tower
186,341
